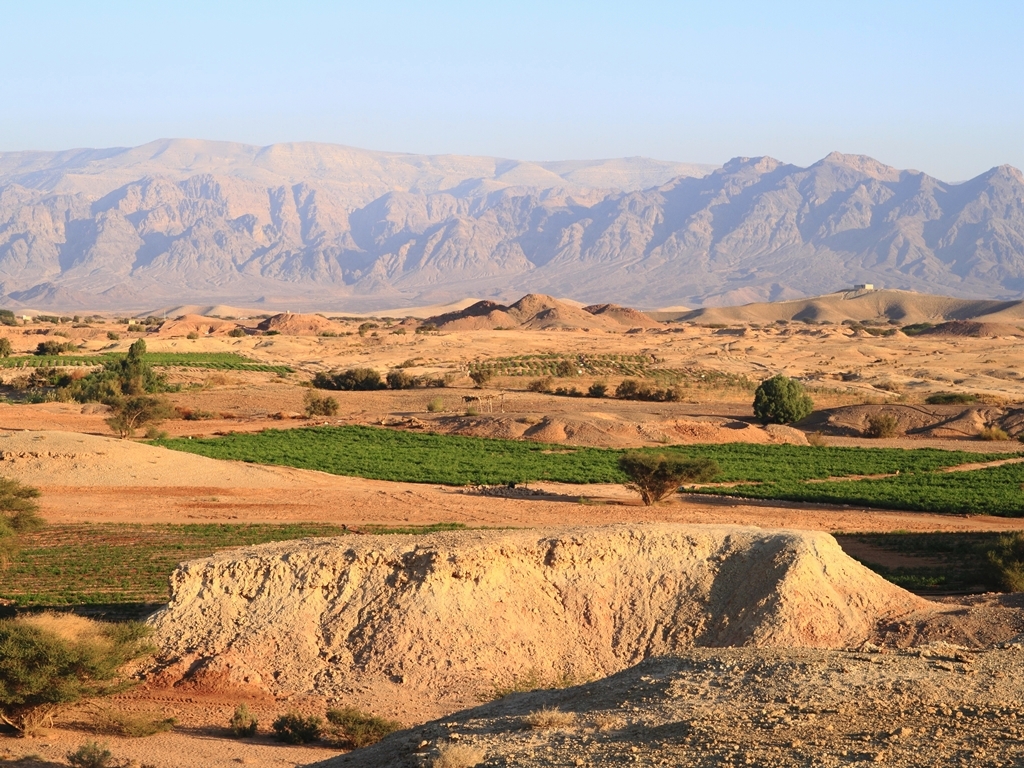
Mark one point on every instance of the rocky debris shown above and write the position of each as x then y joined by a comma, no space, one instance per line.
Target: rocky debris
506,491
937,706
450,616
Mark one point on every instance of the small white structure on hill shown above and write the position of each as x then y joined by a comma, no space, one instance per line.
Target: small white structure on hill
864,287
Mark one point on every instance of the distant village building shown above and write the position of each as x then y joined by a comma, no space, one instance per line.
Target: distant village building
864,287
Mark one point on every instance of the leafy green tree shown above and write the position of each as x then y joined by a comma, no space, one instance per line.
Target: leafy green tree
43,668
781,400
655,476
124,377
18,514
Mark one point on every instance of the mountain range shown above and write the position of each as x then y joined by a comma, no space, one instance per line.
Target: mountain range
335,227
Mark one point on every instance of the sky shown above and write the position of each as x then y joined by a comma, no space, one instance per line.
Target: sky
935,86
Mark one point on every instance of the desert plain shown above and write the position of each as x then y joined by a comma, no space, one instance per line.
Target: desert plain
546,622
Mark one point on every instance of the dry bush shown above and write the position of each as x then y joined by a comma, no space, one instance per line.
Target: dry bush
993,433
91,755
550,718
355,729
459,756
436,405
817,439
315,405
882,425
133,725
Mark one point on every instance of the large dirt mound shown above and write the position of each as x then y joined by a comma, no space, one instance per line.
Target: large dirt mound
448,616
537,312
604,430
204,326
291,324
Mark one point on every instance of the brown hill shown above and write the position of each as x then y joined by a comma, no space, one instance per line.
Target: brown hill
538,312
974,329
291,324
450,615
204,326
899,307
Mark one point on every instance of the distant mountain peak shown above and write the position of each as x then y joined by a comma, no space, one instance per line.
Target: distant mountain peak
328,226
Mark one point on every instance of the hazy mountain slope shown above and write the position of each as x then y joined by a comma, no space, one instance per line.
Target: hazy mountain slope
180,221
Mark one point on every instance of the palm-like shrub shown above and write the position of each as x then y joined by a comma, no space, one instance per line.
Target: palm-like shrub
655,476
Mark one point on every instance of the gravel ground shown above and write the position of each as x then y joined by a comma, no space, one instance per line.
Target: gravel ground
935,706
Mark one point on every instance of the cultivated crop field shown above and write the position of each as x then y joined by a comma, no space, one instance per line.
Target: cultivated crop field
116,563
990,491
780,471
220,361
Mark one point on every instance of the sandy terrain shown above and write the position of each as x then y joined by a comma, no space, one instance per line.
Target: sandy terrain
85,475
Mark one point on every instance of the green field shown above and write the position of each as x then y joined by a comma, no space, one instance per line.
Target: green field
950,562
991,491
781,470
113,563
220,361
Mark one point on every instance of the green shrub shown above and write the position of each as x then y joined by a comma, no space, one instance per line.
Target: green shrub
317,405
399,379
436,405
353,379
481,376
781,400
1007,561
52,348
91,755
883,425
243,722
597,390
655,476
236,333
113,336
993,433
951,398
50,660
293,728
7,317
631,389
356,729
5,347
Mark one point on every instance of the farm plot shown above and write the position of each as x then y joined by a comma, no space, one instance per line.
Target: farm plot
116,563
383,454
989,491
226,361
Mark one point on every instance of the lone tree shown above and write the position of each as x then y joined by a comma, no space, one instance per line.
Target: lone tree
655,476
781,400
131,413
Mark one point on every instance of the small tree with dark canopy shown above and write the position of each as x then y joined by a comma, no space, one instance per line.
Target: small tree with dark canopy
655,476
781,400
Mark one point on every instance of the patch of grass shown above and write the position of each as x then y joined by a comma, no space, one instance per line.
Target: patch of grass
383,454
549,718
454,755
111,564
993,433
133,725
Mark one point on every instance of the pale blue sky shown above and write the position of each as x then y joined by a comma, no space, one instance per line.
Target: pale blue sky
937,86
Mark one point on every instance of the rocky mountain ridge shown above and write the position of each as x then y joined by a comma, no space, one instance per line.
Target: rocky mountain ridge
349,229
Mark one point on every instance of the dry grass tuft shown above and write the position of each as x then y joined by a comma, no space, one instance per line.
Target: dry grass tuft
67,626
133,725
993,433
550,718
606,721
459,756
